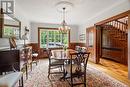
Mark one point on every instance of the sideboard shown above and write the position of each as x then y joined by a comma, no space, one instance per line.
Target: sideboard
16,60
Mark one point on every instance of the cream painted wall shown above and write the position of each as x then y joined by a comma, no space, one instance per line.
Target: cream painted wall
19,14
109,12
34,31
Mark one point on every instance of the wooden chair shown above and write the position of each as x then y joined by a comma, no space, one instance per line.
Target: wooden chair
77,68
28,55
35,58
54,64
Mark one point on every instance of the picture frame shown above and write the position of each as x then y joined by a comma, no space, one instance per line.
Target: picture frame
82,37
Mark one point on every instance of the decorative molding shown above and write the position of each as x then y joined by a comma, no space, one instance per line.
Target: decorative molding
64,4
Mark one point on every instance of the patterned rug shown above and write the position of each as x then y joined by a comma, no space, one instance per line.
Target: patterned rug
95,78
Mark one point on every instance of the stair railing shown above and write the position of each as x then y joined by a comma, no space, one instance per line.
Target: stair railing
119,27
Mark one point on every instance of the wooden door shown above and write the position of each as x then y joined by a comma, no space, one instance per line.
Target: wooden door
91,43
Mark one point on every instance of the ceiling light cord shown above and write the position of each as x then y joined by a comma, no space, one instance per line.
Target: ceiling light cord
64,13
64,16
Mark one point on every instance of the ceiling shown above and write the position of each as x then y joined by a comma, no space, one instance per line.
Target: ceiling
46,12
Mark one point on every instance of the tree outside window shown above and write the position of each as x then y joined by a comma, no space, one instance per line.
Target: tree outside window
53,38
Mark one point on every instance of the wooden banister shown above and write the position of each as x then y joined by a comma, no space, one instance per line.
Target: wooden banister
122,15
122,22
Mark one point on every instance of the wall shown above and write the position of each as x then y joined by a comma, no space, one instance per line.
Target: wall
118,8
34,31
19,14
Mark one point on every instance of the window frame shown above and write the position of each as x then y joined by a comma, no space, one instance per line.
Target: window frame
47,28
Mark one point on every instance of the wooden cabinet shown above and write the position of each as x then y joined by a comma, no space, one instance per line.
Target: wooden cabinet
16,59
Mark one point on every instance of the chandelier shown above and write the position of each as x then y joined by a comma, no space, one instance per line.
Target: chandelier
64,28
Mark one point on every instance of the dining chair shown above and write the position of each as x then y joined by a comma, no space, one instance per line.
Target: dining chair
35,57
77,68
77,48
54,64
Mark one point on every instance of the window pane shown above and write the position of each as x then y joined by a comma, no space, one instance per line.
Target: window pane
52,38
51,43
43,36
65,39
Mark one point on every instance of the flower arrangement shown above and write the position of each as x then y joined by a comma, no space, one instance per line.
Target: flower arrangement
64,47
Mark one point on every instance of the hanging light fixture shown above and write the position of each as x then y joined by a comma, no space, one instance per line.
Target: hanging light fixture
64,28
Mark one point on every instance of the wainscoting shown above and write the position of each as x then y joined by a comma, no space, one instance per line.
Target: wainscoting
43,54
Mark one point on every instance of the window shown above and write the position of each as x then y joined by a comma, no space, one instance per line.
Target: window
52,38
10,31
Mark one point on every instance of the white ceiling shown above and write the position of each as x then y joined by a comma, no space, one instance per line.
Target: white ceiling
46,12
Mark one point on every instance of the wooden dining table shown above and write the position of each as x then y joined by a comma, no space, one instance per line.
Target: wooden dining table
61,54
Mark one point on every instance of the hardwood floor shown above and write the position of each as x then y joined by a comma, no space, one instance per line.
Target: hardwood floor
114,69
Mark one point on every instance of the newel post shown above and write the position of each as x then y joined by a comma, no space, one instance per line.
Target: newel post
129,45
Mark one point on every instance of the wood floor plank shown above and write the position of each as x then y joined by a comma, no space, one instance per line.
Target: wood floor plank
114,69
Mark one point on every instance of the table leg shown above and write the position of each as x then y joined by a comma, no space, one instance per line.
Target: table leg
64,75
26,71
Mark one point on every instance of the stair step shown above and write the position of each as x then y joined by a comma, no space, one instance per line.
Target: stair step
117,36
122,39
112,33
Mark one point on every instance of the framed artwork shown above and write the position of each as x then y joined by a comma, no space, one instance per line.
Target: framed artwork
11,26
82,37
91,39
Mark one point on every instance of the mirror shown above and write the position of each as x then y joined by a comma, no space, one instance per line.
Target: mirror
11,26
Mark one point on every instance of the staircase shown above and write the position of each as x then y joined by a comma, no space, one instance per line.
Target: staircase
116,33
118,28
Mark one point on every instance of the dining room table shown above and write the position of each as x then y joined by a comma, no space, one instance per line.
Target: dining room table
61,54
66,55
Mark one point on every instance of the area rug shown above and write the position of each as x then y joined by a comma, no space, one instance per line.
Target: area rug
95,78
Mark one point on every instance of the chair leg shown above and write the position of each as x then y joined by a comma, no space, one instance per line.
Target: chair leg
85,79
22,81
65,73
71,81
61,68
31,65
48,71
36,62
26,71
84,82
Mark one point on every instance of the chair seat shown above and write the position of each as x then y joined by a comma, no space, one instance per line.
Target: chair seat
11,79
56,62
34,54
74,67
